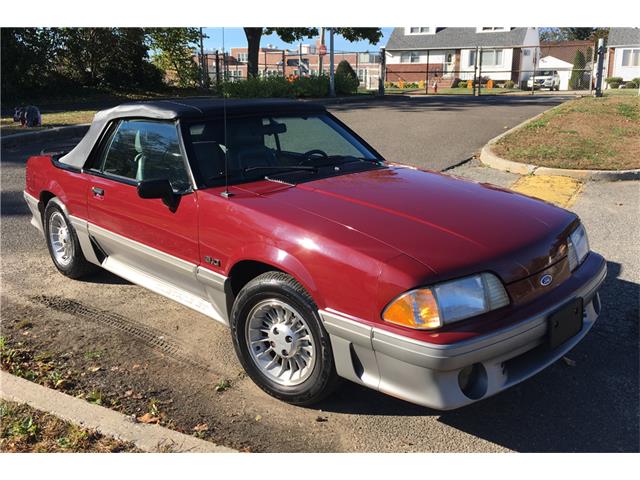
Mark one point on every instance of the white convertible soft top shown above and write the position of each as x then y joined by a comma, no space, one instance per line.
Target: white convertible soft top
195,107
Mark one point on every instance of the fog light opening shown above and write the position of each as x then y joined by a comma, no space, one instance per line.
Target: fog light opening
473,381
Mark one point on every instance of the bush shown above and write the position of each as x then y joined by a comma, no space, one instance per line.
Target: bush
346,84
610,80
509,84
632,83
344,68
311,86
463,84
272,87
614,85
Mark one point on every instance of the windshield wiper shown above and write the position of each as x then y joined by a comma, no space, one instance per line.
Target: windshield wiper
284,168
351,159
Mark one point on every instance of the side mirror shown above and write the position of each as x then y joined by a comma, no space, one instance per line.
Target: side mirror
160,188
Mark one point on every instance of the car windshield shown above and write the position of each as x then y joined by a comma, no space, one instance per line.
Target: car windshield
292,146
544,73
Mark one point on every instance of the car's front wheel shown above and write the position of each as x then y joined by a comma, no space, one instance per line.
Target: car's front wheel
280,341
63,243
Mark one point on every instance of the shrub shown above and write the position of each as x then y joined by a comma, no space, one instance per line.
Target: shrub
311,86
509,84
610,80
345,84
344,68
259,87
463,84
614,85
632,83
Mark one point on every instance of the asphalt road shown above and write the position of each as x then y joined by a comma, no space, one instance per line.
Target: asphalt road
164,350
438,132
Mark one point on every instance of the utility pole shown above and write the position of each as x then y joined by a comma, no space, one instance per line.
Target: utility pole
600,67
332,80
382,74
203,69
321,57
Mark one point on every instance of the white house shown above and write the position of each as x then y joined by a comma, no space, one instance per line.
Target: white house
624,53
507,53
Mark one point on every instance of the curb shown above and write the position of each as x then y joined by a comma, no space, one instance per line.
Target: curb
490,159
13,140
147,437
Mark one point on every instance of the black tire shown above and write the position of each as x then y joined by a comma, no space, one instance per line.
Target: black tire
284,288
78,266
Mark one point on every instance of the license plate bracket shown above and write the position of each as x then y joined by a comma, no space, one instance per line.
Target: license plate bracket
565,322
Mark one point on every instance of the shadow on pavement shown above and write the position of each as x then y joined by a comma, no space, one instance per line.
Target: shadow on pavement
591,407
447,103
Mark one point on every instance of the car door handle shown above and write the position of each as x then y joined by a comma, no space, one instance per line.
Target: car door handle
98,192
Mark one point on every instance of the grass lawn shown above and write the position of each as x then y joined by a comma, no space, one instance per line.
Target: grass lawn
25,429
590,133
49,120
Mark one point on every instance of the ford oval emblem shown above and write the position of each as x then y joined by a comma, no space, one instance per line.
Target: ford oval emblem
546,280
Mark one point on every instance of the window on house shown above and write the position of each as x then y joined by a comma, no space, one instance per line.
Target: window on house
492,29
631,57
491,58
419,29
409,57
243,57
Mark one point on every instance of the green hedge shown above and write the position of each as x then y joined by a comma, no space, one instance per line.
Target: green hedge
280,87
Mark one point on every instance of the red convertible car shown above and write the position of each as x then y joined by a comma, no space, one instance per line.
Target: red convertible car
276,219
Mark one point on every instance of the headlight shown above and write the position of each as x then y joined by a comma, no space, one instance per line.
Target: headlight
578,247
448,302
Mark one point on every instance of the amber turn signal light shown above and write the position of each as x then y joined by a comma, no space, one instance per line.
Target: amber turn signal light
415,309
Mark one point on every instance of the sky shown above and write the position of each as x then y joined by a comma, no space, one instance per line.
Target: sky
234,37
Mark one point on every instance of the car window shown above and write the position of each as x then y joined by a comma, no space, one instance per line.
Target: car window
145,150
308,133
251,146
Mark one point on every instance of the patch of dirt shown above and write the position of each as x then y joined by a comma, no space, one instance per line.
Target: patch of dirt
124,365
25,429
589,133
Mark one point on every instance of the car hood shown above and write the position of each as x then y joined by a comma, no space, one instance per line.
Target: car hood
452,226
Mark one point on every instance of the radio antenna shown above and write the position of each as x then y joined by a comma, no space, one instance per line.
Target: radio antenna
226,193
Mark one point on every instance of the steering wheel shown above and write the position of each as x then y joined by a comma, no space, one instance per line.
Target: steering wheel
313,154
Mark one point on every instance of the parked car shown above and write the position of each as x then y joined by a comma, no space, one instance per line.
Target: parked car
276,219
544,79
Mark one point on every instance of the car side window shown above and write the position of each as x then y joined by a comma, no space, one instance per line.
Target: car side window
146,150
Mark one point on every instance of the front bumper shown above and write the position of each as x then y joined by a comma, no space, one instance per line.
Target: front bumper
428,374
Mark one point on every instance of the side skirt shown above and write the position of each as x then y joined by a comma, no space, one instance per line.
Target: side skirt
214,285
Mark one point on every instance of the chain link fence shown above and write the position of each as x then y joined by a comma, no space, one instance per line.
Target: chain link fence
233,65
551,67
546,68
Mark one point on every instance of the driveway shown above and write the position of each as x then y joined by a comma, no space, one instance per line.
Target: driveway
135,347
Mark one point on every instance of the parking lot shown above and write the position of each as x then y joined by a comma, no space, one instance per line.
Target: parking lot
135,347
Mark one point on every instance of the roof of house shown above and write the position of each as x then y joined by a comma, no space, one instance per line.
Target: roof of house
455,37
182,108
624,37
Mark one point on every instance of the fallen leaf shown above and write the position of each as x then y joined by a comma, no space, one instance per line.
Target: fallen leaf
569,362
148,418
94,369
258,418
201,427
113,369
321,419
128,393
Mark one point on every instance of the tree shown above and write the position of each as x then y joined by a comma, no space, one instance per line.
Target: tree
289,35
578,71
174,49
550,34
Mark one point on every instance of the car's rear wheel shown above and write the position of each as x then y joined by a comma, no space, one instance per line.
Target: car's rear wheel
63,244
280,341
